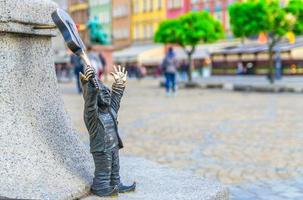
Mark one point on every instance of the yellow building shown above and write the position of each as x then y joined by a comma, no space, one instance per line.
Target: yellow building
79,12
146,16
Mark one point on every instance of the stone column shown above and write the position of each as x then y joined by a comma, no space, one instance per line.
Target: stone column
41,156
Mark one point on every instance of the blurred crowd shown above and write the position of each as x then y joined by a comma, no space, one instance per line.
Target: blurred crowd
171,68
67,71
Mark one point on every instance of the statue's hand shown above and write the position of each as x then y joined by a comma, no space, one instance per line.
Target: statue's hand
89,73
119,75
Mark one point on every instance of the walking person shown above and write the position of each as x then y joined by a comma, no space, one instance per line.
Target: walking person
184,69
169,67
78,67
94,58
103,62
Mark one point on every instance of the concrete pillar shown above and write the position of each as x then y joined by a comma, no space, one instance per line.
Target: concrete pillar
41,155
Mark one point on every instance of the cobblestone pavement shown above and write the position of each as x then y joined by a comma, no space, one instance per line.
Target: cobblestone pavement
249,141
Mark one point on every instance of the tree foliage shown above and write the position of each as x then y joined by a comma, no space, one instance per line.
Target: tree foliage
252,17
247,18
189,30
295,7
278,21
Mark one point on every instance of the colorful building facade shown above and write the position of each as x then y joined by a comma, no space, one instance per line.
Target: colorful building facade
102,9
218,8
121,19
78,10
146,16
176,8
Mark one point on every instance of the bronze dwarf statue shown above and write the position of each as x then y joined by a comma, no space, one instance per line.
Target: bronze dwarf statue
100,116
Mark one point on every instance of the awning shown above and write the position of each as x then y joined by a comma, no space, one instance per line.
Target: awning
154,53
253,48
135,53
200,53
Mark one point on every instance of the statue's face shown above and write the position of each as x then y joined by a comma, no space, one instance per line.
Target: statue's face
104,97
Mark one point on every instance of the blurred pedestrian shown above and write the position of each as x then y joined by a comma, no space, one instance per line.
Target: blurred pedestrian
157,72
207,67
142,71
103,62
94,60
78,67
240,68
169,67
249,68
184,70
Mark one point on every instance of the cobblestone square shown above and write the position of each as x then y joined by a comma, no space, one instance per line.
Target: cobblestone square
249,141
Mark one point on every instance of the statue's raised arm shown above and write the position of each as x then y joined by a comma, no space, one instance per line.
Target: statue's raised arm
120,76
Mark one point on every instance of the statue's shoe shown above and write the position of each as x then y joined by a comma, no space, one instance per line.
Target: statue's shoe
109,192
124,188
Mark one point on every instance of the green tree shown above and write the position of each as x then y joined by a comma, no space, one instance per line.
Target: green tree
296,8
188,31
263,16
246,15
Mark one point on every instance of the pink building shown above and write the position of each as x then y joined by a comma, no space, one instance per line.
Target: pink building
176,8
218,8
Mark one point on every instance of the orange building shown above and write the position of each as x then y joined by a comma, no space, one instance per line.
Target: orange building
121,19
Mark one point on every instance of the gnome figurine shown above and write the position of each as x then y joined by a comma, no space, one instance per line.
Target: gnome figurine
100,116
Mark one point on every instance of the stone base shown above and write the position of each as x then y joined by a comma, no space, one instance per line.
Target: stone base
41,155
157,182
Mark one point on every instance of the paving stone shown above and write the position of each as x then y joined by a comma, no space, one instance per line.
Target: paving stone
156,182
293,195
271,197
212,132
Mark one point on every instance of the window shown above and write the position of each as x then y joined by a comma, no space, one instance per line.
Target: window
98,2
159,4
104,17
136,32
218,5
206,5
144,5
178,3
151,31
170,4
135,6
174,4
102,2
145,31
148,5
92,2
218,16
120,11
151,2
230,2
121,33
125,33
194,1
